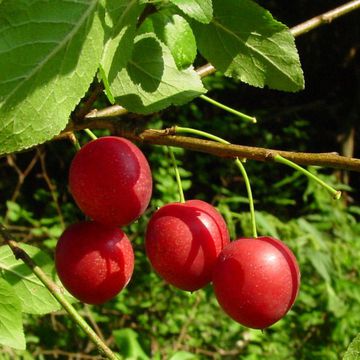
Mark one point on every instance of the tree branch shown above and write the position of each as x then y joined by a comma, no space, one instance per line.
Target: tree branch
208,69
117,110
325,18
56,291
167,137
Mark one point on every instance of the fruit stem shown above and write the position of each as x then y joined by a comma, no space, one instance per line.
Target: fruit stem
177,174
335,193
91,134
229,109
75,141
179,129
57,292
251,200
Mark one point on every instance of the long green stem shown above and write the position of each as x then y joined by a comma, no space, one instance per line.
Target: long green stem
229,109
57,293
76,142
77,145
177,175
251,200
238,163
180,129
335,193
91,134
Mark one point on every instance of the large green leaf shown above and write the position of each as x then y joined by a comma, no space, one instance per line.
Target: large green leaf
11,329
245,42
353,351
175,32
121,19
200,10
34,296
49,54
151,80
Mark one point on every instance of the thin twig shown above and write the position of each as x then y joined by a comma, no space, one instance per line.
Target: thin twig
57,353
21,174
187,323
93,322
56,291
86,106
325,18
51,187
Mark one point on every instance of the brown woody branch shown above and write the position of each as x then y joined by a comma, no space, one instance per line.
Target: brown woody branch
167,137
325,18
105,119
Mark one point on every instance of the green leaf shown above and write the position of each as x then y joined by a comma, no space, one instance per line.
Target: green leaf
183,355
175,32
11,329
245,42
353,351
316,236
121,19
130,348
151,80
266,223
322,263
34,296
200,10
335,304
50,52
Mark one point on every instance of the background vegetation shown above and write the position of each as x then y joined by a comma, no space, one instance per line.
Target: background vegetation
151,320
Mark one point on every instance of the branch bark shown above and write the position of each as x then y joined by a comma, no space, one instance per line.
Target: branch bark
105,118
157,137
325,18
167,137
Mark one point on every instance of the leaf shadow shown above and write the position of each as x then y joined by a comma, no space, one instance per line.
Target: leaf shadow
146,72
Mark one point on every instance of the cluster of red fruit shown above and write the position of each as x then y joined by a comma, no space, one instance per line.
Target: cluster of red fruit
255,280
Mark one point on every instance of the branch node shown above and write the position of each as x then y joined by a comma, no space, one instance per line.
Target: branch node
92,113
270,155
326,19
170,131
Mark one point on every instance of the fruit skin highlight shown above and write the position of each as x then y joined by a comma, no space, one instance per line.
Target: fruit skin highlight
94,262
256,281
183,241
110,180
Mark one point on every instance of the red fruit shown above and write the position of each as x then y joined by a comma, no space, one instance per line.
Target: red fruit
94,262
183,241
210,210
110,180
256,281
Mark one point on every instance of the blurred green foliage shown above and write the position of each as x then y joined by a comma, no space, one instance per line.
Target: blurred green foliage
150,319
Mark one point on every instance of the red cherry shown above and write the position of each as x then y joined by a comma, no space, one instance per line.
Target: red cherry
210,210
110,180
256,281
183,241
94,262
